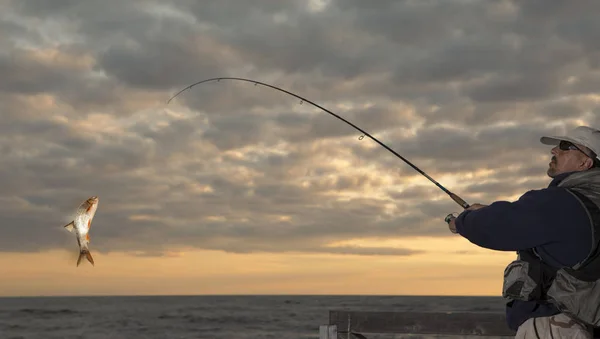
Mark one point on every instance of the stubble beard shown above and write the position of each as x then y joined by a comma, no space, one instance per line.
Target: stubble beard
551,172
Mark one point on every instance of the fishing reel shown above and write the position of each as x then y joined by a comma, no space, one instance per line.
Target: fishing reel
450,216
448,219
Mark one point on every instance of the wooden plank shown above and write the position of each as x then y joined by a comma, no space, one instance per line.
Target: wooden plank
328,332
482,324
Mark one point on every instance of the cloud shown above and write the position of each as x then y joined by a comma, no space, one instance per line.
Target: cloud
462,89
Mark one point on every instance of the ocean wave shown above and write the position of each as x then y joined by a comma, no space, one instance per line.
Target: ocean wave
40,311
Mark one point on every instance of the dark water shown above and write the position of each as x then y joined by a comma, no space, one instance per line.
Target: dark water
210,317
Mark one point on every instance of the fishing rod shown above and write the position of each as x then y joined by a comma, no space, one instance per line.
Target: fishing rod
454,197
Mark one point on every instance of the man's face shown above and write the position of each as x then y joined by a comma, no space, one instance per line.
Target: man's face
568,160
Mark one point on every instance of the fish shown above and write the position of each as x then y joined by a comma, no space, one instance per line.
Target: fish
81,225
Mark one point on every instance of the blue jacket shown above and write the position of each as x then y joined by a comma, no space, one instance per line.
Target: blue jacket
550,220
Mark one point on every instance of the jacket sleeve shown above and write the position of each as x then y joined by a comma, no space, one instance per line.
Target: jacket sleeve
539,217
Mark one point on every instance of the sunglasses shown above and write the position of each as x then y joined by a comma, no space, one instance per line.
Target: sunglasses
569,146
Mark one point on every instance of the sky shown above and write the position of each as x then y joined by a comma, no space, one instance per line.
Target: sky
232,188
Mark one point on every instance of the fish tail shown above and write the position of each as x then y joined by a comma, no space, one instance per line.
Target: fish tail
87,254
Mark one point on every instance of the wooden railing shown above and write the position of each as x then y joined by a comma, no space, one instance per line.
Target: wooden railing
357,325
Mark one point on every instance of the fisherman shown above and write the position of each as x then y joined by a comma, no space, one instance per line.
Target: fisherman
550,286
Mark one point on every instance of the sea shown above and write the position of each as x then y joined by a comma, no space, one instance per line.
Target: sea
209,317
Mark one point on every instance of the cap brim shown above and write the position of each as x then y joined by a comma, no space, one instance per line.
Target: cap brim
556,139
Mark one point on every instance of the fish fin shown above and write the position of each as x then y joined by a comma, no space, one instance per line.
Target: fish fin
89,257
81,254
87,236
89,224
87,254
70,226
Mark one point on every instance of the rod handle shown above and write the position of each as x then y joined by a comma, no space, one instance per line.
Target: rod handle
459,201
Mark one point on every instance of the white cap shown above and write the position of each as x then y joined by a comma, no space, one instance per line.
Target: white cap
582,135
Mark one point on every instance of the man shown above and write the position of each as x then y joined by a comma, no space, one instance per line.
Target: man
550,228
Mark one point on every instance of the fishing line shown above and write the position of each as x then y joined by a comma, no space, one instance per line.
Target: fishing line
454,197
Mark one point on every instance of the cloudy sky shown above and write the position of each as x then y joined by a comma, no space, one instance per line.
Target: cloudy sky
236,188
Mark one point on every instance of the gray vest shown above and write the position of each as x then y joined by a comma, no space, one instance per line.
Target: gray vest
574,290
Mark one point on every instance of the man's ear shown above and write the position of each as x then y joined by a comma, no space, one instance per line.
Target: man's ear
588,163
